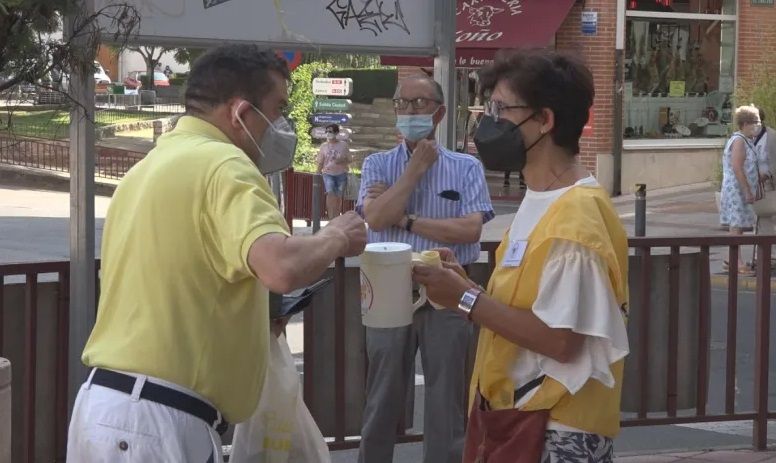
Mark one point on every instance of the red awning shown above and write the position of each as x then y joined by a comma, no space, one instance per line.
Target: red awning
484,26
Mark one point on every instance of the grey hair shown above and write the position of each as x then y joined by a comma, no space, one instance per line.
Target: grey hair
439,95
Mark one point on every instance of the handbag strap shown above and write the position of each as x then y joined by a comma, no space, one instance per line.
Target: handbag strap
760,187
528,387
748,144
760,135
519,393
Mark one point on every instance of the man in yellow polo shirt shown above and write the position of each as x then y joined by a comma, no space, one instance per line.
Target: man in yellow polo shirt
192,243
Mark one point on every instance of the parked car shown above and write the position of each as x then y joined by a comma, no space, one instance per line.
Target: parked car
132,81
100,74
20,91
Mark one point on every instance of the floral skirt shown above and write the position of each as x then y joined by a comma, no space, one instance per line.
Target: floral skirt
576,447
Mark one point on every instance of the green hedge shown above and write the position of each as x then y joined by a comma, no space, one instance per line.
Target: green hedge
179,81
301,107
369,84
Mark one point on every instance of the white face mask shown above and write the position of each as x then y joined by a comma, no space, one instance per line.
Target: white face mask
330,136
278,144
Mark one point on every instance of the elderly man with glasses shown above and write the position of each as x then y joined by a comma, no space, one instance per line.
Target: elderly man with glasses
429,197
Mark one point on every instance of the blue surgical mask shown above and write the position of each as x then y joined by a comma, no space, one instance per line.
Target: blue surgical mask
415,127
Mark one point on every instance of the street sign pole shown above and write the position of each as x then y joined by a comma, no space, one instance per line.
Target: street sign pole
444,68
82,268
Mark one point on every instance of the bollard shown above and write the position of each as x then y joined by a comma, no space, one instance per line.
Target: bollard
5,411
316,209
641,210
158,130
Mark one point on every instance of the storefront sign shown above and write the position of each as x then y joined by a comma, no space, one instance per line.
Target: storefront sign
324,86
472,62
589,23
676,88
484,26
325,119
331,105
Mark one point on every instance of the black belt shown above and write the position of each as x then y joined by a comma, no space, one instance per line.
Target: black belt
162,395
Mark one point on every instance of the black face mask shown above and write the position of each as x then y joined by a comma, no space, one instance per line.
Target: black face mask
500,144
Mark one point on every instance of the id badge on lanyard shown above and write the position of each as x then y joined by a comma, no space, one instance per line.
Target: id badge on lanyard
513,257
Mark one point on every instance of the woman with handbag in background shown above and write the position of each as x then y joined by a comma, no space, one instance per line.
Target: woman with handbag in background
740,177
547,380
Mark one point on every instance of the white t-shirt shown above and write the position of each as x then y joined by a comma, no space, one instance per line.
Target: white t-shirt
574,293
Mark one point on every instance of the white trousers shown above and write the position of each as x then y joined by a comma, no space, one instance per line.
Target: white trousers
110,426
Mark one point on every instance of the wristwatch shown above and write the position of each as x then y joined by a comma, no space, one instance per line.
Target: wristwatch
467,301
411,218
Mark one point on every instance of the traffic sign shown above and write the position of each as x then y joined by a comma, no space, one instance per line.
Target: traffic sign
337,86
331,105
330,118
293,58
320,133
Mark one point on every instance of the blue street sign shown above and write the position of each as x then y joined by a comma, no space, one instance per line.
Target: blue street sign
330,118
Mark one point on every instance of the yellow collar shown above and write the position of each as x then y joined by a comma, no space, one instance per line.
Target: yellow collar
201,127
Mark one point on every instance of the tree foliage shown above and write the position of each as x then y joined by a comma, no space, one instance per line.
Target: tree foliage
31,43
760,91
344,60
301,104
151,55
188,55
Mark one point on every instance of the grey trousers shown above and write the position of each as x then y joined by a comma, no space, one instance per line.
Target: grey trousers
443,337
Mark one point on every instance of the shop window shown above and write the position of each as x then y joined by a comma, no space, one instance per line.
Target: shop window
684,6
679,73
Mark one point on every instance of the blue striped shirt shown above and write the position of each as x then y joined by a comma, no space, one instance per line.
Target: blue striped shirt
453,172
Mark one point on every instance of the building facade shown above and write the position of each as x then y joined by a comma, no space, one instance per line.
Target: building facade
684,63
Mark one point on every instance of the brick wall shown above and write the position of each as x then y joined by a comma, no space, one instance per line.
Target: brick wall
756,40
598,53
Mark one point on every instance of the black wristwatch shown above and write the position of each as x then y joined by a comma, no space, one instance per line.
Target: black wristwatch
410,220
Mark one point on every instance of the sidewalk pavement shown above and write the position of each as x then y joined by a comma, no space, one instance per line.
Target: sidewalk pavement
717,456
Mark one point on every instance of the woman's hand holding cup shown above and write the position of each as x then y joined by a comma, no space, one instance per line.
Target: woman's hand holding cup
443,277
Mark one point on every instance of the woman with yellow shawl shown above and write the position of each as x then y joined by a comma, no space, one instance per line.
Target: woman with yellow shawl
548,375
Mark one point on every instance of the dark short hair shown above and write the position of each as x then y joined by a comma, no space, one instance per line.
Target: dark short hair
547,79
232,71
334,128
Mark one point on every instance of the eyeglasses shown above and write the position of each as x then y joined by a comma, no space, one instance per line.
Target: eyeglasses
417,103
493,108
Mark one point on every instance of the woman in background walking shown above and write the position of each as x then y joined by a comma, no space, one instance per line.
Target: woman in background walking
334,163
740,176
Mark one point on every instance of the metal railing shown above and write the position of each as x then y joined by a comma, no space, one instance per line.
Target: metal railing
644,248
55,156
38,153
298,194
40,292
761,413
25,349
